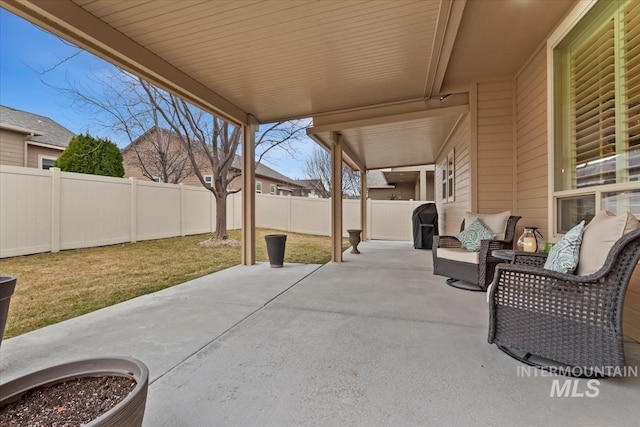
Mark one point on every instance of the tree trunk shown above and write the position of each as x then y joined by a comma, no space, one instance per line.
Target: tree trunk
221,217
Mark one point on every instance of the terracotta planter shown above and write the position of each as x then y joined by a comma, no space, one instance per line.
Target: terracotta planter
276,244
7,286
127,413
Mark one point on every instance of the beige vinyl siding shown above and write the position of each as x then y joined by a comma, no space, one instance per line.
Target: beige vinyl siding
531,143
495,146
450,214
11,148
402,191
194,180
34,151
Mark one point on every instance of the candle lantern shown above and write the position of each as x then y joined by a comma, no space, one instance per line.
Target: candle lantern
531,240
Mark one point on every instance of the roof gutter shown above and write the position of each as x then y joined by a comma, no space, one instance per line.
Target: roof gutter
24,131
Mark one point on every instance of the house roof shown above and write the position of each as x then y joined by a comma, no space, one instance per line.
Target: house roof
154,129
376,179
46,130
261,170
309,183
266,172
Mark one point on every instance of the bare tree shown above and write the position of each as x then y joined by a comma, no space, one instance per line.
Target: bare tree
186,141
212,144
120,106
318,166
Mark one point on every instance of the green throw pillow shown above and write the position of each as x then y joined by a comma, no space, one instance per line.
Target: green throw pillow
471,236
565,254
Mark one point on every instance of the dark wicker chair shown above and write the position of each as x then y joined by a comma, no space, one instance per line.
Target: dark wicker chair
480,275
574,321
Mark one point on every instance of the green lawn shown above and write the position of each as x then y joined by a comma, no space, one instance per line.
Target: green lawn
55,287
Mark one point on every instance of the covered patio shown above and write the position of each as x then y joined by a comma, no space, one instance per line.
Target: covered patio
376,340
387,83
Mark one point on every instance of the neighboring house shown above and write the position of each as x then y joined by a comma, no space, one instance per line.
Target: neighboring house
268,181
30,140
405,183
310,188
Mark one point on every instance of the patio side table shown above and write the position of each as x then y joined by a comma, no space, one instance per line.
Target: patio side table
536,259
506,254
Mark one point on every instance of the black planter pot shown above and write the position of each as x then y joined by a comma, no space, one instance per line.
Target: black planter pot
7,286
275,249
128,413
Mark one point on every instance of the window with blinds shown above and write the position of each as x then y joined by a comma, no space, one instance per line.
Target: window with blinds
631,87
593,100
599,99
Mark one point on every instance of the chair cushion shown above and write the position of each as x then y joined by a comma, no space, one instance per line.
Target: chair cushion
599,236
471,236
459,254
495,222
565,254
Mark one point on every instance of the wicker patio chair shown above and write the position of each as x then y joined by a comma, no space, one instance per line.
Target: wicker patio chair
474,276
569,320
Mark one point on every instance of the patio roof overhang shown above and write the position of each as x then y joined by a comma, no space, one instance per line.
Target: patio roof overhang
376,75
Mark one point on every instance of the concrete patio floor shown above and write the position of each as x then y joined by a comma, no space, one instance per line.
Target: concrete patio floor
376,340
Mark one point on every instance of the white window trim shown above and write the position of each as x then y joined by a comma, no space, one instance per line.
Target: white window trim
259,183
42,157
451,177
273,189
571,20
448,178
210,179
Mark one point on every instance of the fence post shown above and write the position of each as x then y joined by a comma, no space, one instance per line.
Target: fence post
183,210
289,213
56,179
369,228
133,182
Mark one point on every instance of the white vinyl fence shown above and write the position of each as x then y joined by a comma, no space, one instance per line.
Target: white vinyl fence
49,210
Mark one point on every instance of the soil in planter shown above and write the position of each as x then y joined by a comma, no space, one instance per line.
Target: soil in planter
71,403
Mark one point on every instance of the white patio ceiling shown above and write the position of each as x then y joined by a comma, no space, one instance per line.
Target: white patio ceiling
370,70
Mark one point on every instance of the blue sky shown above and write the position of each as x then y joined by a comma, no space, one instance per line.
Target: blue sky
26,52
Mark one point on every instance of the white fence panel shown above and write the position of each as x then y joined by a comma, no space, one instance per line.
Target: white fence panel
25,211
350,215
50,210
311,216
234,211
158,210
199,214
273,211
391,219
94,210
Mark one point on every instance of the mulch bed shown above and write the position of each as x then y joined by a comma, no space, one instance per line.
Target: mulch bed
220,243
67,404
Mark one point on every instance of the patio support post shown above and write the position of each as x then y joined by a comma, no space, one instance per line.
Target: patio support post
423,184
363,203
248,192
336,197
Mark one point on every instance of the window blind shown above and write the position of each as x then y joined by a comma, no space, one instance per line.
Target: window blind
605,100
593,100
631,86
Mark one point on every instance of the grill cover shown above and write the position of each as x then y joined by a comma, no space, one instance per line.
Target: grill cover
425,225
